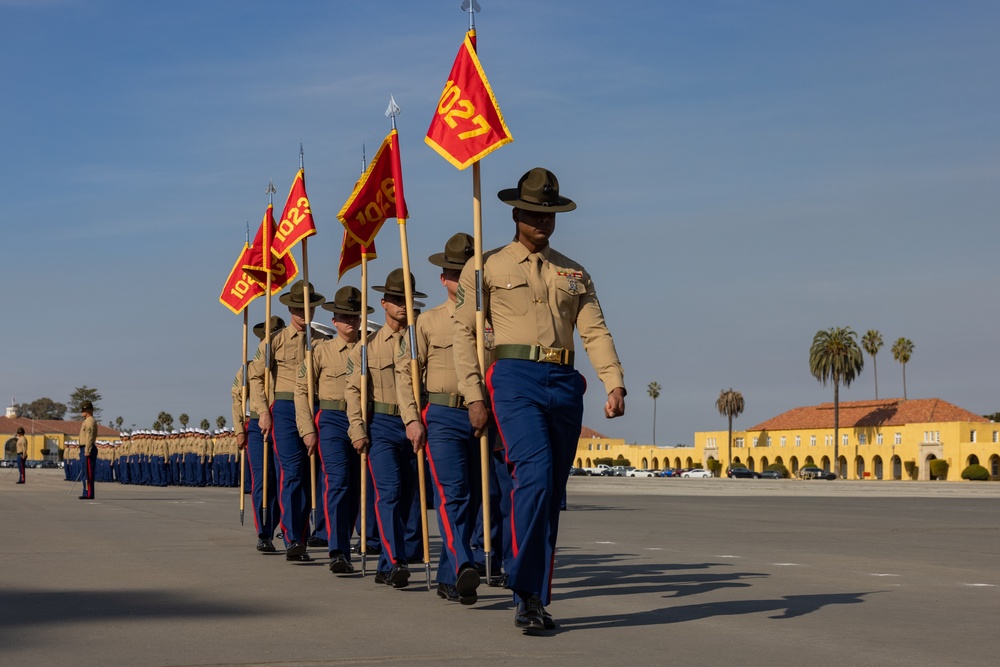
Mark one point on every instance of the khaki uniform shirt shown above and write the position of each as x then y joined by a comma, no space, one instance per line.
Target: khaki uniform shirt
532,306
239,417
88,435
330,360
21,448
287,353
386,350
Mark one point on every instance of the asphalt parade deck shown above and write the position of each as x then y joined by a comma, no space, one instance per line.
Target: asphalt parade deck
649,571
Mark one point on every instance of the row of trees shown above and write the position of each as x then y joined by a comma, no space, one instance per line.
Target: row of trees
902,350
165,422
833,357
836,357
46,408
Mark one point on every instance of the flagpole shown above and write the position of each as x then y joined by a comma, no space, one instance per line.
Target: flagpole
267,346
243,408
364,409
364,395
311,390
392,112
485,453
243,403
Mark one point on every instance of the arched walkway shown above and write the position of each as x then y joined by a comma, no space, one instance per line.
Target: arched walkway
994,467
859,467
897,467
973,460
877,464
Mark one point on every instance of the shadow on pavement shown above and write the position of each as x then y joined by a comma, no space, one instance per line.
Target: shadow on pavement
790,606
34,609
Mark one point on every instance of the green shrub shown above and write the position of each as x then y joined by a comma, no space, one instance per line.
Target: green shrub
809,463
939,469
604,460
622,461
780,467
976,473
714,466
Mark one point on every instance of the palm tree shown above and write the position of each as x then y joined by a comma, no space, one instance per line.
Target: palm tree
183,419
654,393
205,424
902,350
730,404
872,342
835,356
166,420
220,421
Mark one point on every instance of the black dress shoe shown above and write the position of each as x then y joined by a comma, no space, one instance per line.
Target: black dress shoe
266,546
448,593
316,542
399,576
339,564
466,583
301,558
528,615
295,550
279,536
86,497
547,620
381,577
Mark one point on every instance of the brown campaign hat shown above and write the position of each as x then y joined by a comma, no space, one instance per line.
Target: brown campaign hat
276,324
295,298
394,285
86,406
538,190
347,301
457,251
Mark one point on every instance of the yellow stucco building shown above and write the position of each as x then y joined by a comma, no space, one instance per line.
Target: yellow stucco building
46,437
884,439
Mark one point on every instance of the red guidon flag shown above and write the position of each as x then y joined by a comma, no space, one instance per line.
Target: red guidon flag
351,252
296,220
373,199
259,262
467,124
240,289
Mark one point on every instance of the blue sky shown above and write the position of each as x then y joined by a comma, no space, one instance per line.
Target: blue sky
747,173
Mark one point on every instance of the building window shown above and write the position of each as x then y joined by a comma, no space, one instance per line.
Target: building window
798,441
607,446
862,439
812,440
844,440
768,441
898,439
755,440
782,444
590,447
972,435
739,442
996,436
878,438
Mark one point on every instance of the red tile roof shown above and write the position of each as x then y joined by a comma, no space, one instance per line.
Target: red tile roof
70,428
591,433
888,412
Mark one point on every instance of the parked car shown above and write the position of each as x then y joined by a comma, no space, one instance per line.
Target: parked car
578,472
770,474
742,473
670,472
696,472
641,473
812,472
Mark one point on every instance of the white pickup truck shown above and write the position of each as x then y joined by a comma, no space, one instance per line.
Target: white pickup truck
596,470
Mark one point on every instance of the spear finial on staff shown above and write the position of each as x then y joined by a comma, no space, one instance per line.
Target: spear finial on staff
471,6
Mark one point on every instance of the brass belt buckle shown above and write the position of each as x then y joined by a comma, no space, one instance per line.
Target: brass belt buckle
550,355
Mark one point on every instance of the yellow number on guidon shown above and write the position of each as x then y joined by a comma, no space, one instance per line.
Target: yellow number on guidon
465,109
